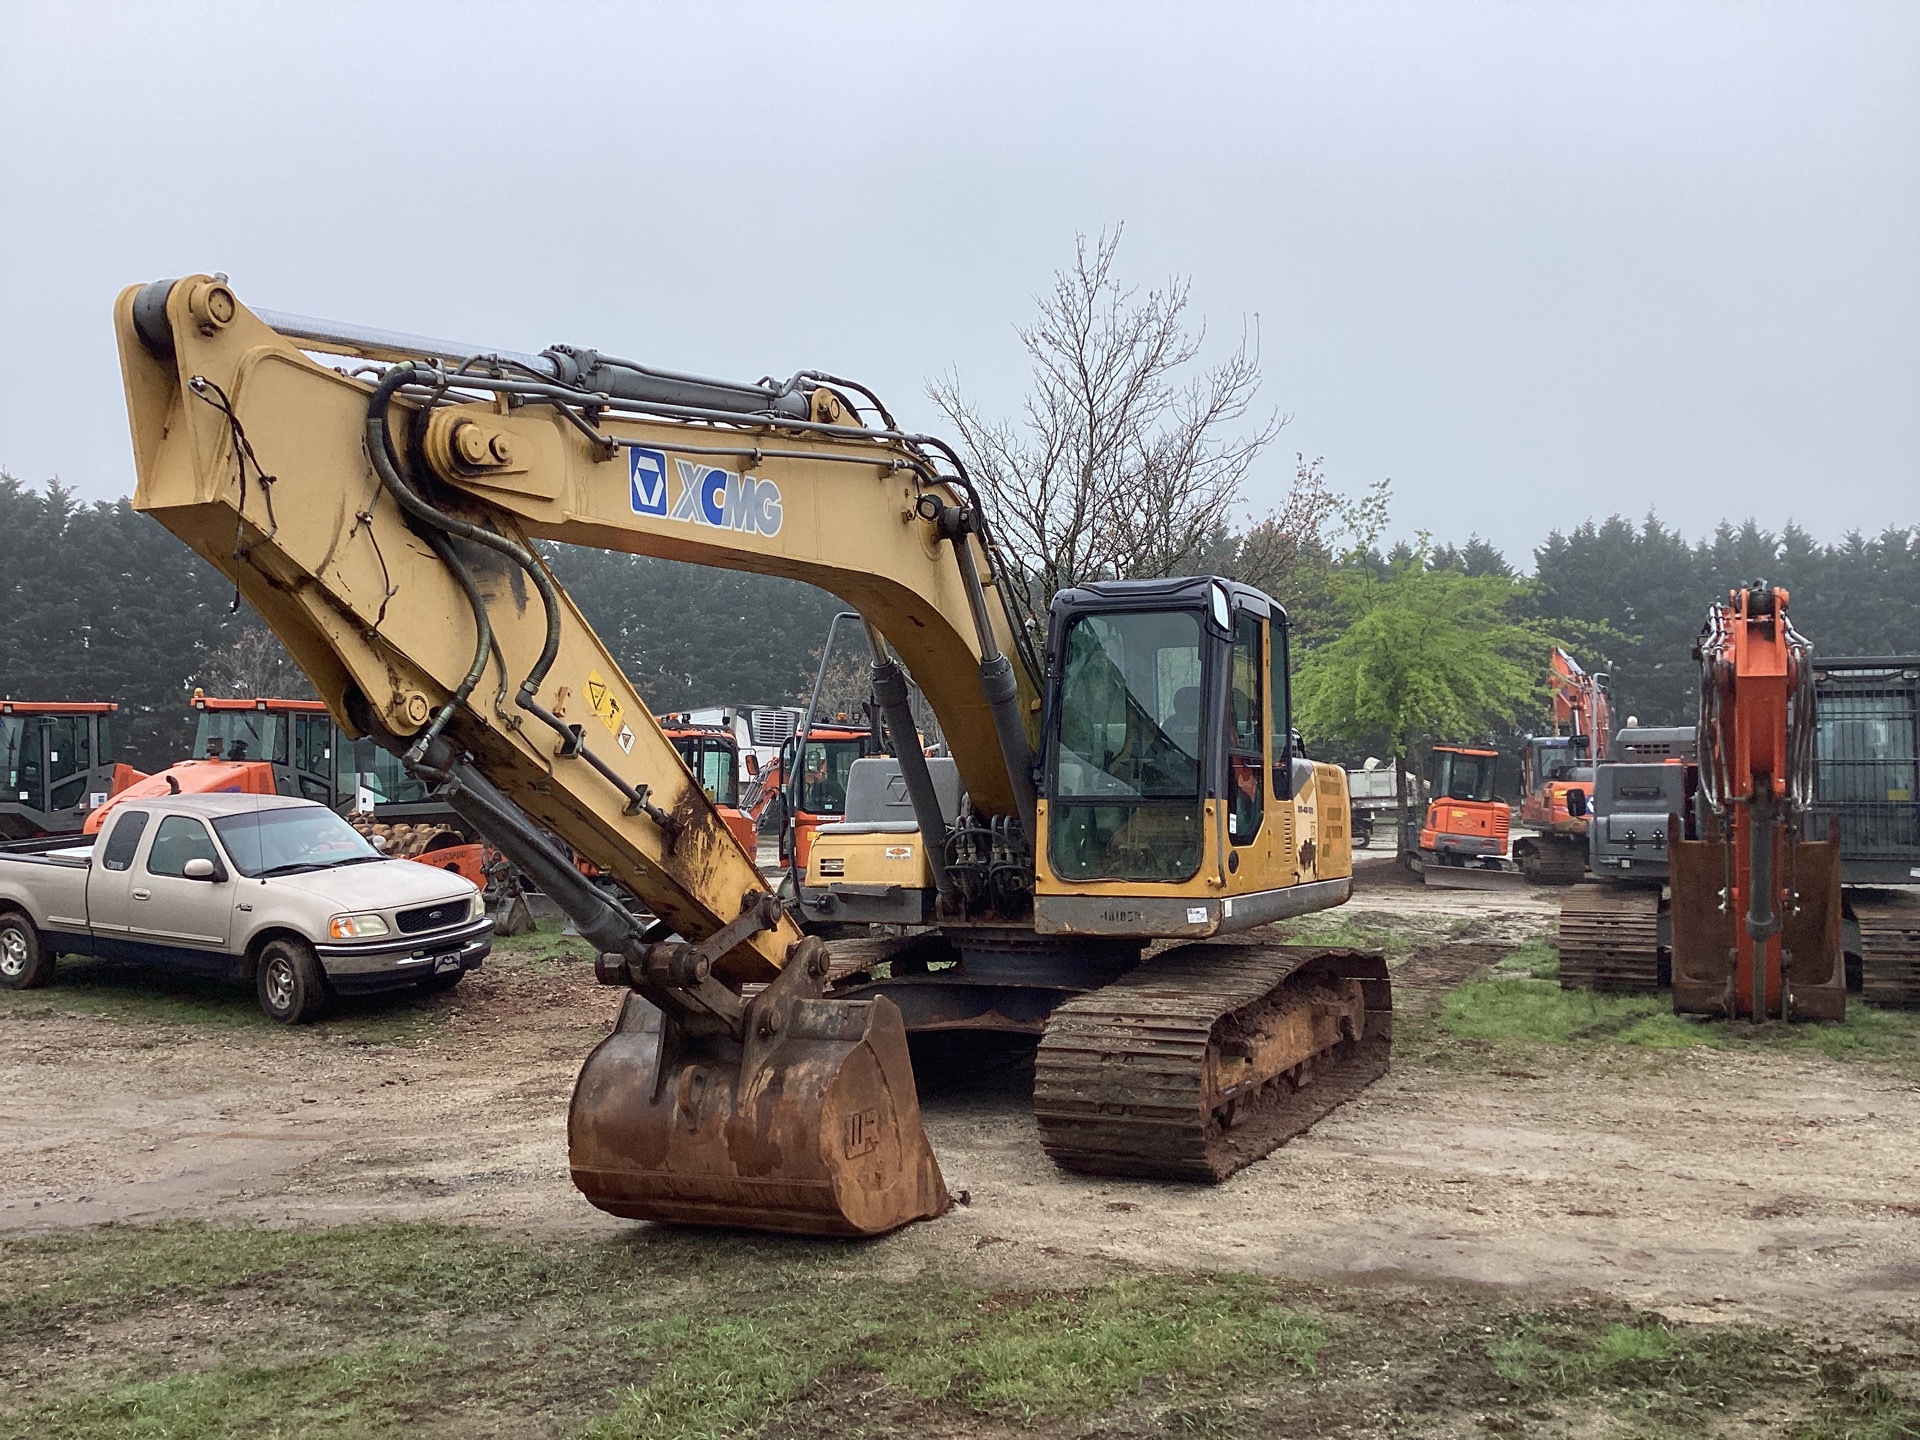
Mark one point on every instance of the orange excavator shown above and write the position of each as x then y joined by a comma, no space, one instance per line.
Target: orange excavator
1463,835
1756,905
1557,774
712,753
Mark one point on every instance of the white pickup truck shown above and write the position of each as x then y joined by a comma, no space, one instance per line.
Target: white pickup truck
266,888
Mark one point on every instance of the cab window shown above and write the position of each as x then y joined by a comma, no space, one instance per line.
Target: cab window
179,839
124,841
1245,743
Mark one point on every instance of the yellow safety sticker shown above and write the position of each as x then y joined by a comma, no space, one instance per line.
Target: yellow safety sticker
600,696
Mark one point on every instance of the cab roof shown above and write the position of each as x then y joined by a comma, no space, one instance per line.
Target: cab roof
1180,592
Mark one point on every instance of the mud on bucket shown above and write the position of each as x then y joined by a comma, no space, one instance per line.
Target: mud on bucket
811,1126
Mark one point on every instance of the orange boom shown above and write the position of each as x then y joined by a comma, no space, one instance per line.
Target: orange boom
1756,907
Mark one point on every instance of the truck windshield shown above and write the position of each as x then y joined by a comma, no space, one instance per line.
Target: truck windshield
1128,729
288,838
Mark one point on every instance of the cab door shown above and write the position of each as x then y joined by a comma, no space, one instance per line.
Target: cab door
168,908
111,877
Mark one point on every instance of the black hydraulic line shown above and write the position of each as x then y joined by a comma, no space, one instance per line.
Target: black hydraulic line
379,450
890,690
1001,690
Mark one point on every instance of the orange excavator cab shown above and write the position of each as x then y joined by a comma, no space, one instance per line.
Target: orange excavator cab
712,753
1465,824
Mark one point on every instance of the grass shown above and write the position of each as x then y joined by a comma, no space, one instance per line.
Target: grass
1396,935
678,1335
1517,1002
378,1329
153,995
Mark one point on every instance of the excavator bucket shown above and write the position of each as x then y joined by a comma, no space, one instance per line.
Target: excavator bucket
810,1126
1704,938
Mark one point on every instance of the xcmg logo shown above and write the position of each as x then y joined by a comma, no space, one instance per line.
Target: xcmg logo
702,494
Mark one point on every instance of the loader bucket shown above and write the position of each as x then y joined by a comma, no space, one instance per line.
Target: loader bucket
812,1129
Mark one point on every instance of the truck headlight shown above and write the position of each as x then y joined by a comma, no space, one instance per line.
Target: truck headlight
356,927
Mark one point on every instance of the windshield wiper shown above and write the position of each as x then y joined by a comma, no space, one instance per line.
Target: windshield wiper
360,860
295,868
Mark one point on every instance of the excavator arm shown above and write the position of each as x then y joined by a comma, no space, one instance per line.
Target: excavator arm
381,518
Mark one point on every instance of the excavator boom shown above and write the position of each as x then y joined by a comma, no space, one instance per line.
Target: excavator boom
383,527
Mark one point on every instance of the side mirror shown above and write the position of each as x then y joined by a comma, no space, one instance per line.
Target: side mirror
1577,804
378,842
753,766
200,868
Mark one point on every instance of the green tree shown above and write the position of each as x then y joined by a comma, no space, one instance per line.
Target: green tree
1423,653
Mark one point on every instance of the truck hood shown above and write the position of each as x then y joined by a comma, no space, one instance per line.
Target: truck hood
378,885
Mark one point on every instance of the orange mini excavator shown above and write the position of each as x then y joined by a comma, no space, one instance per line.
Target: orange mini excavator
1756,906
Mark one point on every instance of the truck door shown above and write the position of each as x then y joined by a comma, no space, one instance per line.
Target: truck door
168,908
110,879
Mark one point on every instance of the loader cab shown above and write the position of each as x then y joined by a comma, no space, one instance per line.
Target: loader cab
295,737
1168,743
58,764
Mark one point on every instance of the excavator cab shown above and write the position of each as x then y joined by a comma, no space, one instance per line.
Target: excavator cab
1466,822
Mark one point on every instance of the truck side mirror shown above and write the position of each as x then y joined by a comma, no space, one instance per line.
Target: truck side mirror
1577,804
201,868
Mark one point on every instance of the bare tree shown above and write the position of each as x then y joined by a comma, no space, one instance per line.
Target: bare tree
1290,552
254,665
1130,459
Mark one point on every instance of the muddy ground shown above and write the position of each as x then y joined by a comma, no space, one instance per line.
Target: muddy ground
1707,1185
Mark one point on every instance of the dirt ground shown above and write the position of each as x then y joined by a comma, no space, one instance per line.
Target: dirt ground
1709,1185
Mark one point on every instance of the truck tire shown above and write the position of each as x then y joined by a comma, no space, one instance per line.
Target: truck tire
289,982
25,962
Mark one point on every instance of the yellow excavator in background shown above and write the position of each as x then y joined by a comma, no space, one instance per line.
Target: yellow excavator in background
1139,788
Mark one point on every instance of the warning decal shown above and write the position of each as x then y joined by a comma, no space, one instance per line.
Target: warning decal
625,737
600,696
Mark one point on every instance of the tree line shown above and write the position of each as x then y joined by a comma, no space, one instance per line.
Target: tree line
1130,459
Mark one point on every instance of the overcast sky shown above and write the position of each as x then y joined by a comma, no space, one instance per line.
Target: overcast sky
1534,263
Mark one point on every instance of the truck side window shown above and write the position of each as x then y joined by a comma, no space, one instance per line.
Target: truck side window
178,840
124,840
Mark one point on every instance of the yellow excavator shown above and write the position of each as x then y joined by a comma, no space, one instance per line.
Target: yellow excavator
1071,870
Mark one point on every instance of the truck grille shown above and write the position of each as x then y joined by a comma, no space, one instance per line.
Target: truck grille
434,917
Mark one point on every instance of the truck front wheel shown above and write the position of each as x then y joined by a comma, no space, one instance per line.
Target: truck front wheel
289,983
25,963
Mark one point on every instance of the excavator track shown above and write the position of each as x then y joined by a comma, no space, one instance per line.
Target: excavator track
1208,1057
1889,955
1610,939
